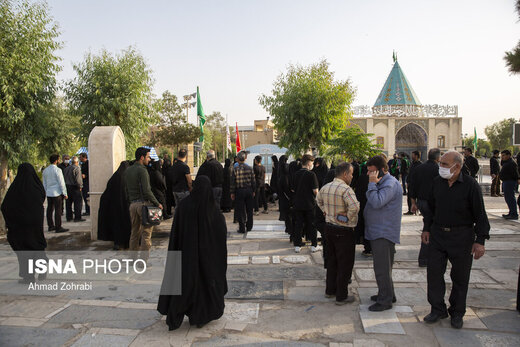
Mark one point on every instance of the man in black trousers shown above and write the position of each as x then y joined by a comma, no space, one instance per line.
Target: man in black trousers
471,166
74,184
455,229
420,190
84,174
306,188
242,190
510,179
494,164
416,161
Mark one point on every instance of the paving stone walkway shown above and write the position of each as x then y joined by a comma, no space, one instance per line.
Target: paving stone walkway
275,298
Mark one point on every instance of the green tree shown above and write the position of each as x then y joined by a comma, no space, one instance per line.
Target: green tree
352,143
173,130
113,90
484,147
512,57
308,106
216,124
28,66
500,134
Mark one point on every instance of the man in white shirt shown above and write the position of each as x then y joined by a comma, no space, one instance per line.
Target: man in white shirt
55,189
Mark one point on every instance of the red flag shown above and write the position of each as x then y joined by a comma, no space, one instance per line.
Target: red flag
238,140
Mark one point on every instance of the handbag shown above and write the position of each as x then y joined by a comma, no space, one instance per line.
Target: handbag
150,215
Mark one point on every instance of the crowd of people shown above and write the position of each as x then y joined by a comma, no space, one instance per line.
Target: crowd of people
351,203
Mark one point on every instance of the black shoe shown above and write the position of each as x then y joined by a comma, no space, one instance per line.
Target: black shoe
506,215
457,322
86,214
409,213
241,231
423,264
249,229
52,228
69,220
367,253
116,247
350,281
61,230
377,307
168,216
374,298
511,217
435,317
79,220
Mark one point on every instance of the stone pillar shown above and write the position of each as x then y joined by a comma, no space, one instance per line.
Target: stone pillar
106,150
191,156
391,137
432,133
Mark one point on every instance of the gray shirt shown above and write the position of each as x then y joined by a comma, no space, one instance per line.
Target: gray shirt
73,177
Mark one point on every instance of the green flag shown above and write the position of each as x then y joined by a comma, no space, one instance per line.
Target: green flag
202,117
475,142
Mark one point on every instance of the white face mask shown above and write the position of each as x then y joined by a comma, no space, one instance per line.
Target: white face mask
445,172
67,161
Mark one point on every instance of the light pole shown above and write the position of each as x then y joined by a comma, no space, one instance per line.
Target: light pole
189,104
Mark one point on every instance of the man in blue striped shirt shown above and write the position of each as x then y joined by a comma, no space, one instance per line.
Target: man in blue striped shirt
383,227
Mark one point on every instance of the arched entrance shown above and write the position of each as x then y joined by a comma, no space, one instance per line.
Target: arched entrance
411,138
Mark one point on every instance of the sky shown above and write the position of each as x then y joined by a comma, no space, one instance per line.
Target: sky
450,51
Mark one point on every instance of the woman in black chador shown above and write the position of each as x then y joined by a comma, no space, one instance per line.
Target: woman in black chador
158,185
199,231
225,201
284,194
114,216
23,213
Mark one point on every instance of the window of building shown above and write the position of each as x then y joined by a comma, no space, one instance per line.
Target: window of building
441,141
380,140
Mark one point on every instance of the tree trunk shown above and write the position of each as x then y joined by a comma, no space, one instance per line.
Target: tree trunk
3,187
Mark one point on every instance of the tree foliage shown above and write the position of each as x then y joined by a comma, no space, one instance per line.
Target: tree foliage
512,57
216,126
500,134
28,45
484,147
352,143
113,90
308,106
173,130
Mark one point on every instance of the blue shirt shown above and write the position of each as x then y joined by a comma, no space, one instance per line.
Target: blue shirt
53,181
384,209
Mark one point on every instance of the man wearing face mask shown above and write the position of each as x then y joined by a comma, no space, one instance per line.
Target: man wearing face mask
455,230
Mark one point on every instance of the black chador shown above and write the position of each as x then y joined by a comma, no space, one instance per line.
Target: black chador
199,231
225,202
23,213
114,216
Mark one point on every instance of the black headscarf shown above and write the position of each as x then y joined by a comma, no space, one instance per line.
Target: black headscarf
225,201
274,175
294,166
114,217
199,231
320,170
331,174
157,182
166,165
22,208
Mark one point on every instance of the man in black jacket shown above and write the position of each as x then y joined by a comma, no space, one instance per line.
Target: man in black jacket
416,161
215,172
471,165
509,177
494,164
405,170
420,191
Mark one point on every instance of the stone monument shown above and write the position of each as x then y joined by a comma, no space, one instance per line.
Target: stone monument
106,147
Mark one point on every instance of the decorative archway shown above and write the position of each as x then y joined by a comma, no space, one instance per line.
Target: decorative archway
411,137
